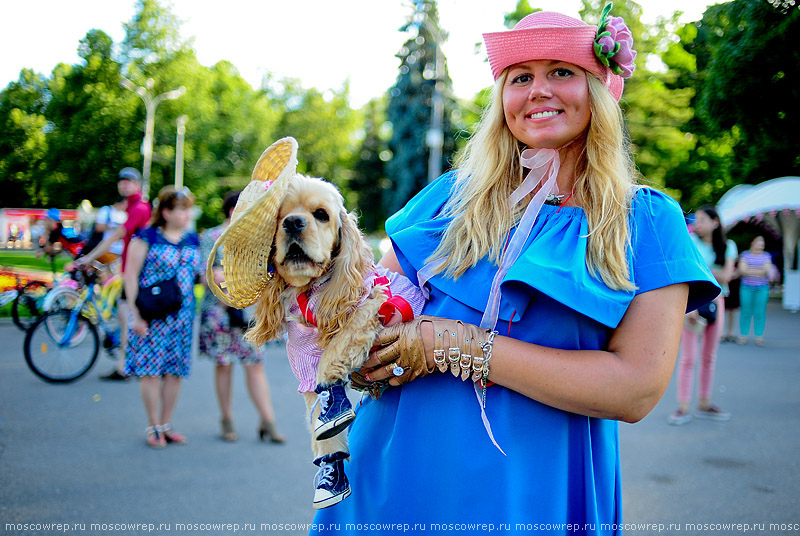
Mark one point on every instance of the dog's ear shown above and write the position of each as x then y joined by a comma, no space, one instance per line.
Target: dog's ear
349,267
269,318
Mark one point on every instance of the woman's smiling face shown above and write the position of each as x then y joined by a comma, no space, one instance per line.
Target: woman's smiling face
546,102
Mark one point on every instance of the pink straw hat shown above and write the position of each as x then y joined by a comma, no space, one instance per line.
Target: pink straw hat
546,35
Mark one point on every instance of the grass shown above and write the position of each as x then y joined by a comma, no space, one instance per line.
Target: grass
27,260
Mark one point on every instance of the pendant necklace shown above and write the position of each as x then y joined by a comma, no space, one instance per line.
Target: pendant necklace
557,200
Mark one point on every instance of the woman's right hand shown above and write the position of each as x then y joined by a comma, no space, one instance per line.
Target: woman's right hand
411,346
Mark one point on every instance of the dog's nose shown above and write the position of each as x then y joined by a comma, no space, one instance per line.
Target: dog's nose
294,224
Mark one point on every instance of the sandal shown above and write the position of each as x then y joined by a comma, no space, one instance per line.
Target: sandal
171,436
154,438
228,431
268,430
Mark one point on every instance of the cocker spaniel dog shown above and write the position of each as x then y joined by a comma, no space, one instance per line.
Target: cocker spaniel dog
330,299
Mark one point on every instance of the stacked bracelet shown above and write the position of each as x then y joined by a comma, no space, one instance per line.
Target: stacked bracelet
471,362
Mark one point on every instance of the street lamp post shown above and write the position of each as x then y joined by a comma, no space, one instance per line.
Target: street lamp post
434,138
150,104
179,151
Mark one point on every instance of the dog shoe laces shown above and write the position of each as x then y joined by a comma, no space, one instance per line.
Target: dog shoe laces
323,475
323,399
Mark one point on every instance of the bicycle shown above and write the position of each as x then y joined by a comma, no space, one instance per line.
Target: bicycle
63,344
29,299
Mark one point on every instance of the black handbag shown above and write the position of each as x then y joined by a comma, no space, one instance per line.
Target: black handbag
159,300
709,312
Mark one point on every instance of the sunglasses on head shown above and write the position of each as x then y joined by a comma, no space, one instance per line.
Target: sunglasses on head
182,193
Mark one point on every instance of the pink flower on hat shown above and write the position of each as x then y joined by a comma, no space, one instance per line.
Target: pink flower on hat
613,45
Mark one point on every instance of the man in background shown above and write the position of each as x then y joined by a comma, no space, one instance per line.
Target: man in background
129,184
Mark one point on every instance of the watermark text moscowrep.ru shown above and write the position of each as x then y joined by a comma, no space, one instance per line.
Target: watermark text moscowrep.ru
410,528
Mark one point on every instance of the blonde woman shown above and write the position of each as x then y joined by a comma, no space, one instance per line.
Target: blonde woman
557,294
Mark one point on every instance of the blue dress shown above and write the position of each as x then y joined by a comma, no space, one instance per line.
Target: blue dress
420,456
167,349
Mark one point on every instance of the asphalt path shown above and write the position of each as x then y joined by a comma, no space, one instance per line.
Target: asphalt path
75,454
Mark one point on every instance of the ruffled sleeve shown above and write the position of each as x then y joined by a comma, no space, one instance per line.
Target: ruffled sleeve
415,229
663,252
553,260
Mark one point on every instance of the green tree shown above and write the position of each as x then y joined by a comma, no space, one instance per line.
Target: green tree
369,180
522,10
410,105
23,145
655,111
749,62
704,175
230,124
66,136
90,135
151,36
324,126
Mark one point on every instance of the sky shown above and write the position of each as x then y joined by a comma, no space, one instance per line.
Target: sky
321,42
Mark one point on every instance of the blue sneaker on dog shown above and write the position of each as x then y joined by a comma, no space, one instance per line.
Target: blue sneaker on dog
330,481
335,414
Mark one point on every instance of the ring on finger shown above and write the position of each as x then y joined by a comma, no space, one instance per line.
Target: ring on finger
395,369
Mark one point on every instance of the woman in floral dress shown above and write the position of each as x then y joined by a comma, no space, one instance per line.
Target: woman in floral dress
221,339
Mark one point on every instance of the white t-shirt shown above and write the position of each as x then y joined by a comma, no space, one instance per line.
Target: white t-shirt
710,256
111,218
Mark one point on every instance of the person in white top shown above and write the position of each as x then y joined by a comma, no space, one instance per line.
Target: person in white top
108,218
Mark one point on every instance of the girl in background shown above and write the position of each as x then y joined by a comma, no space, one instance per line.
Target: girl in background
754,267
719,255
221,339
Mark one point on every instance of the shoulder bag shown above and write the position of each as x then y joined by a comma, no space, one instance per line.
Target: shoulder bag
160,299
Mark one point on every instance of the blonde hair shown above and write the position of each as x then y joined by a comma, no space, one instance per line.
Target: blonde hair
489,171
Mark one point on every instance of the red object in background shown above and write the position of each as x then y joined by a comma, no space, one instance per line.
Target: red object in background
39,213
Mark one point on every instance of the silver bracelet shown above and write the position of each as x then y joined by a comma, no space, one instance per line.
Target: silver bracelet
483,369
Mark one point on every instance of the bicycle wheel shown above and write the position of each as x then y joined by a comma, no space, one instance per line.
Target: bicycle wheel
61,346
61,297
25,309
57,326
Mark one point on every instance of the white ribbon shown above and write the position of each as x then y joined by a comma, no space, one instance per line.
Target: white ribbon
543,165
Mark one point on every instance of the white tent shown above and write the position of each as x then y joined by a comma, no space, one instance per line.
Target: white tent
777,203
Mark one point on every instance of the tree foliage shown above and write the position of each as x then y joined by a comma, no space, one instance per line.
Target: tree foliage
23,145
711,104
748,54
87,138
369,183
743,68
410,105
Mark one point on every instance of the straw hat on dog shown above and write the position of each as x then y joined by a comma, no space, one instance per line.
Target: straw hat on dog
247,242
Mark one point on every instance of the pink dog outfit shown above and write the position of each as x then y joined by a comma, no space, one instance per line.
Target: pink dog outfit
301,346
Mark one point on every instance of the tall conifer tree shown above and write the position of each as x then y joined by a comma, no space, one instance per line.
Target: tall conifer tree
411,103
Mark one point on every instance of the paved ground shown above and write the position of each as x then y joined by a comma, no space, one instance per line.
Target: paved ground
75,454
